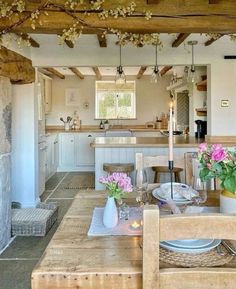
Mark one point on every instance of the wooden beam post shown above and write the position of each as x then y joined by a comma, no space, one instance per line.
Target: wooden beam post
55,72
102,40
165,69
180,39
97,72
16,67
25,36
141,72
76,72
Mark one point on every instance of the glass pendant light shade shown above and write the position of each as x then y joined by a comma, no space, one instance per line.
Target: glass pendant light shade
156,72
120,77
191,71
155,75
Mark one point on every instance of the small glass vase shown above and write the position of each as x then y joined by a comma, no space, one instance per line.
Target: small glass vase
110,214
141,182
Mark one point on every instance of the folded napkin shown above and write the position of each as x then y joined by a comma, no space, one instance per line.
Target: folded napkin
189,193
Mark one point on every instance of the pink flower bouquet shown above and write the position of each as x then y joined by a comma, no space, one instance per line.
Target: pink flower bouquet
218,162
118,184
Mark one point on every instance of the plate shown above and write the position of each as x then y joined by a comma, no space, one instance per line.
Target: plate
157,194
191,243
178,188
212,245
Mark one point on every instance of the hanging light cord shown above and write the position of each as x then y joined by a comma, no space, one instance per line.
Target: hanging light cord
192,66
156,70
120,54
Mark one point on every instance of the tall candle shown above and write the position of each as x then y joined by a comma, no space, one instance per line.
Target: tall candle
171,133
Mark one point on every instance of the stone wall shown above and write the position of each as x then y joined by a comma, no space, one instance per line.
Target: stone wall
5,161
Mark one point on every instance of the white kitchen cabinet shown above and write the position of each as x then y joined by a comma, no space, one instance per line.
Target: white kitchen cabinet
51,155
42,166
67,152
86,153
75,152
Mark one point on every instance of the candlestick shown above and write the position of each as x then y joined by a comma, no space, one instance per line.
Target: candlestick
171,133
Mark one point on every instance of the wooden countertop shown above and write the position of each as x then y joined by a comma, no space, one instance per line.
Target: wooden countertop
179,141
60,129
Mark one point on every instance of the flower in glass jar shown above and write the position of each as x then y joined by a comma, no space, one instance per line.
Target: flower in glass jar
118,184
218,162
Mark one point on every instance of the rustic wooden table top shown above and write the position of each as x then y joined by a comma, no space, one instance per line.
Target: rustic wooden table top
75,260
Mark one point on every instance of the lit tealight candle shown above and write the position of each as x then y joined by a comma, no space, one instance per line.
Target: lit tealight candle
136,225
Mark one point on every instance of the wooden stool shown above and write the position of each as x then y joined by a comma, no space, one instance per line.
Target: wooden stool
160,169
118,167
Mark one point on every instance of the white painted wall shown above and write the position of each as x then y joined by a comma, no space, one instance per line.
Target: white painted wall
24,145
151,100
221,77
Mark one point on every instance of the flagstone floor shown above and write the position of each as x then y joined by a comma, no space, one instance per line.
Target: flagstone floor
19,259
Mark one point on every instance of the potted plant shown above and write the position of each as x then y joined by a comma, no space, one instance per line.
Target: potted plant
218,162
117,184
106,124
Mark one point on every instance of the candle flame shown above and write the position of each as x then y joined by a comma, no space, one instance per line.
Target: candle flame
135,225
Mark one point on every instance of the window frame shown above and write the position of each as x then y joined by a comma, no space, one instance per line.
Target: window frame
133,101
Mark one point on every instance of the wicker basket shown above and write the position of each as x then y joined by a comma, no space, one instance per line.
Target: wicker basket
34,221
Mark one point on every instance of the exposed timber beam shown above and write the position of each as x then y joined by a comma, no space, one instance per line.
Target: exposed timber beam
152,1
212,40
16,67
180,39
102,40
69,43
165,69
77,72
55,72
141,72
190,19
25,36
97,72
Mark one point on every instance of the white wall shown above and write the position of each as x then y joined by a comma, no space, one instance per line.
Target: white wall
24,145
221,77
151,100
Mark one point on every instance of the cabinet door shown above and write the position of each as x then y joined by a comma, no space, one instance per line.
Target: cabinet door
47,95
86,153
147,134
67,150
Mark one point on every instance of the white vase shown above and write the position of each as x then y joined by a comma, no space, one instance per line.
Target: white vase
227,202
110,215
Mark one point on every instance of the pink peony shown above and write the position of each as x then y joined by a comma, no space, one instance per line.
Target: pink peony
203,147
218,155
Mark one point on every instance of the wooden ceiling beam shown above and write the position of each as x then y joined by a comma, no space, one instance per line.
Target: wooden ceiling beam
102,40
55,72
25,36
69,43
56,21
212,1
212,40
16,67
152,1
76,72
97,72
180,39
141,72
165,69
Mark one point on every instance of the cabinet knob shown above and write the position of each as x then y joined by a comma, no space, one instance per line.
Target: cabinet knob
89,135
71,140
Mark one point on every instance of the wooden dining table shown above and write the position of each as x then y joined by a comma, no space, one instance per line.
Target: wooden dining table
74,260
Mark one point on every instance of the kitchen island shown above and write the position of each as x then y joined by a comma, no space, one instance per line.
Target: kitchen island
123,150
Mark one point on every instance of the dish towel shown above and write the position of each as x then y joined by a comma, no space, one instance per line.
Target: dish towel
123,228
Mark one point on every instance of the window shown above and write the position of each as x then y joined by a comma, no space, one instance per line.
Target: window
115,101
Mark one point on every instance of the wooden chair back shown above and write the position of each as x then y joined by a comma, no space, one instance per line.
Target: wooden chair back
174,227
185,162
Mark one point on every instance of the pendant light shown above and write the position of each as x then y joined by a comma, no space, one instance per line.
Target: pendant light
156,73
191,76
120,75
